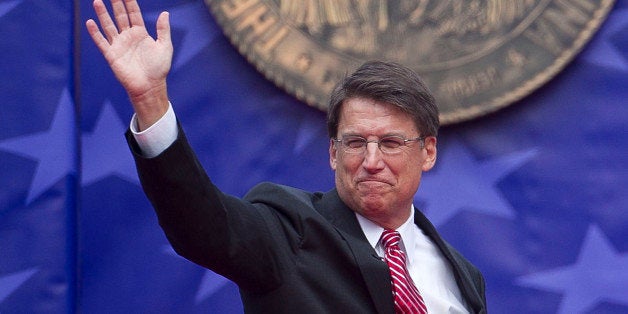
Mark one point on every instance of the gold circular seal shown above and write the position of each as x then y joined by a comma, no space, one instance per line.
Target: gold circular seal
477,56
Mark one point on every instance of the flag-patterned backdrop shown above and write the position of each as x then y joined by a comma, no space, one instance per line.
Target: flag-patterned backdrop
535,195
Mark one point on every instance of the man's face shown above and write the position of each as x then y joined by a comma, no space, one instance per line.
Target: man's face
379,186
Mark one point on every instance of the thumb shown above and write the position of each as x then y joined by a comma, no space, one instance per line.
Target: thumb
163,27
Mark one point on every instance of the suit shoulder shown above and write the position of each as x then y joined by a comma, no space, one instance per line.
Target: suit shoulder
277,194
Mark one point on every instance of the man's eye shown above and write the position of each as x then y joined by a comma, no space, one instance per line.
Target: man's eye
391,142
355,143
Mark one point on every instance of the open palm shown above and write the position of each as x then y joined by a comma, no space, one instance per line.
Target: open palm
139,62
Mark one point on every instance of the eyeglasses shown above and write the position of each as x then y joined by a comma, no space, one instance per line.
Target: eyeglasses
389,145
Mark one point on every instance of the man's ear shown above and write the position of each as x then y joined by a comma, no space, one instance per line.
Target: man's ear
431,152
332,154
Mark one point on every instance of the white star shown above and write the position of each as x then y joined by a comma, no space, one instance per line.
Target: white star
10,283
459,182
309,129
210,283
7,6
598,275
54,150
105,151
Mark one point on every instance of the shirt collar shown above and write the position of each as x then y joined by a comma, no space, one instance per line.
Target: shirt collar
373,233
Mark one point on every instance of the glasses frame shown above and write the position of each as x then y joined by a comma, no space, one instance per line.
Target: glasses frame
362,149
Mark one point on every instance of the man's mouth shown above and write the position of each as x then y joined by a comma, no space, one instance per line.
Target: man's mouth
373,183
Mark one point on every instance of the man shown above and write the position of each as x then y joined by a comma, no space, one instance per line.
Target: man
359,248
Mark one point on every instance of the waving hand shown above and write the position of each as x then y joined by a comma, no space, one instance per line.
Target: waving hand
139,62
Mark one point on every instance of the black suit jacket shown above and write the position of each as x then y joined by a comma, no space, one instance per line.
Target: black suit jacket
289,251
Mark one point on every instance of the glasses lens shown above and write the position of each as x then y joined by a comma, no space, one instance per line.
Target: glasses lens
388,145
391,144
354,144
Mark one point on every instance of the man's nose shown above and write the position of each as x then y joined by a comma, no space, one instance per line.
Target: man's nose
373,157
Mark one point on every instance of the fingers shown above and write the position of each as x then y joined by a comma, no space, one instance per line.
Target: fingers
108,27
134,13
119,11
100,41
127,14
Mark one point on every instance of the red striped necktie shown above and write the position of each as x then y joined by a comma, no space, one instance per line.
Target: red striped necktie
407,296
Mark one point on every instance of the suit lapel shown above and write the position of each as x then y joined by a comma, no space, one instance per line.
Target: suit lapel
374,271
463,277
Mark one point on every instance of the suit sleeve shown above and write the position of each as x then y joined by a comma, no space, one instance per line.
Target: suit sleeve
220,232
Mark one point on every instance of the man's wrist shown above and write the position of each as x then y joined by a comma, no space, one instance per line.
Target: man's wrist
150,106
157,137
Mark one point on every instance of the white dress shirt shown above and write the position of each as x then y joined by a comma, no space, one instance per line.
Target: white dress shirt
430,271
426,264
159,136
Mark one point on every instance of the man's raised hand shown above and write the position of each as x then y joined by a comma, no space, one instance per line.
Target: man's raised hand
139,62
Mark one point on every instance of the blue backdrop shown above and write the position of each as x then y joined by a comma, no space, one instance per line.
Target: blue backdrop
535,195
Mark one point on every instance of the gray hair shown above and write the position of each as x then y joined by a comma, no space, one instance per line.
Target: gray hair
391,83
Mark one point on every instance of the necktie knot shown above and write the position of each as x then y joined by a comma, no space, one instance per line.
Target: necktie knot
390,238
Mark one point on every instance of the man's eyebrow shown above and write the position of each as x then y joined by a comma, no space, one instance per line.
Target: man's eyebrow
388,134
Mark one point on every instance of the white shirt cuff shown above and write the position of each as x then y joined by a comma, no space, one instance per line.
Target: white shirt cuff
159,136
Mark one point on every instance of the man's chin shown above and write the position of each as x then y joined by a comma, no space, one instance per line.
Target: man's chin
372,199
373,209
